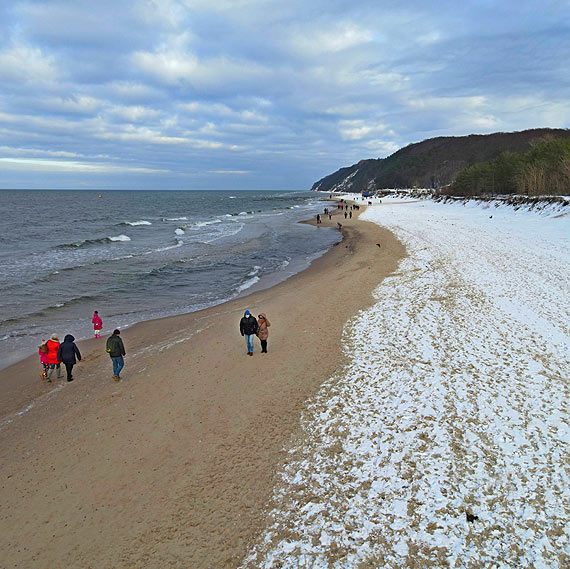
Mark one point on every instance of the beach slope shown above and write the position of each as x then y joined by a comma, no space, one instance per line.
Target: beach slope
173,466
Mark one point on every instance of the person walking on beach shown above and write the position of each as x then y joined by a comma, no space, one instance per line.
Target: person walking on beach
318,218
262,331
67,354
43,353
248,327
53,361
116,350
97,324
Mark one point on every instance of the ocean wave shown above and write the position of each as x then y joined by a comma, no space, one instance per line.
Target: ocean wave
184,218
135,223
205,223
224,234
247,284
179,243
84,243
93,242
243,213
46,310
179,231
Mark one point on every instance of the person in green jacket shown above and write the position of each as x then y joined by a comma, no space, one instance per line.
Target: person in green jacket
116,350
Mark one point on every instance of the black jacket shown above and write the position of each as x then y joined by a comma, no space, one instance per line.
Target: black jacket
68,350
248,325
115,347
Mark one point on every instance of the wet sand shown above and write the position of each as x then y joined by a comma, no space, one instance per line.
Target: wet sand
172,467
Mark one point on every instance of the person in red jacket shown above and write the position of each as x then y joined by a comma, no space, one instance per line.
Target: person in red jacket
97,324
53,362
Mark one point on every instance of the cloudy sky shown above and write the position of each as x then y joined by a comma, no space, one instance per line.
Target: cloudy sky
252,94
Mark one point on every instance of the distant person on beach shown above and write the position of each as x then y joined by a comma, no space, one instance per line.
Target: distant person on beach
53,361
97,324
350,214
248,327
116,350
262,331
43,353
318,218
67,354
345,215
339,226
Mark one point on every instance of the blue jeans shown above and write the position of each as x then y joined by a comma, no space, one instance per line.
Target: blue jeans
118,364
249,342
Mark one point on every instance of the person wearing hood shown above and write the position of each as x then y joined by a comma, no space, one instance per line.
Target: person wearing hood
116,350
67,353
53,361
97,324
262,331
43,352
248,327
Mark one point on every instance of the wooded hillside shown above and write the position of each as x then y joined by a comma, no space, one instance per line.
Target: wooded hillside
438,162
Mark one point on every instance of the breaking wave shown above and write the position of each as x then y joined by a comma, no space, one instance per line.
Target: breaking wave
92,242
136,223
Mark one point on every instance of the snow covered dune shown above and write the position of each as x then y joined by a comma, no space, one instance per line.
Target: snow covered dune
445,441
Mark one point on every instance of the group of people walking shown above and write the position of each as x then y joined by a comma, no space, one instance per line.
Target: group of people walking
53,353
249,326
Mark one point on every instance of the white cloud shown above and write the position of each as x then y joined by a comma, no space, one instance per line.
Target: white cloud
134,113
315,41
147,135
448,103
223,111
80,104
381,148
361,128
173,64
133,90
26,64
236,172
38,152
37,164
168,66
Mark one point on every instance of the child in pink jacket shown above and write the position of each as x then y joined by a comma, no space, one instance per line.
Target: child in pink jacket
43,352
97,324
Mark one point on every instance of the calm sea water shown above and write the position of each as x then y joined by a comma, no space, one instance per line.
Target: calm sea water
137,255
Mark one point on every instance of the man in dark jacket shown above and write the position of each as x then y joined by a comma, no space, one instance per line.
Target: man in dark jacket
116,350
248,328
66,354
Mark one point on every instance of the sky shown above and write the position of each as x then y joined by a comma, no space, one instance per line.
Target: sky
248,94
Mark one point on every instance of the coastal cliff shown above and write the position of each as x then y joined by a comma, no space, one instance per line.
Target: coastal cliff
432,163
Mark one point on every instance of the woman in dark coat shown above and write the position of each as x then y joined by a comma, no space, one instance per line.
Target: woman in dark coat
66,354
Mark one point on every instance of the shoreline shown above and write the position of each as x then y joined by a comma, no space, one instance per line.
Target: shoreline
181,455
225,246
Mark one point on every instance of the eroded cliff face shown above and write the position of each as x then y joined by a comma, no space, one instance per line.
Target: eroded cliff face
432,163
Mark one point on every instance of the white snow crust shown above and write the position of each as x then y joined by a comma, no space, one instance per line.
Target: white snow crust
445,440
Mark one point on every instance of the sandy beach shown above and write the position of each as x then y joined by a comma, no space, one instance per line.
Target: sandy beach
174,465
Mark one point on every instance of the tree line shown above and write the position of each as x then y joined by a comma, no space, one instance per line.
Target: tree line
544,169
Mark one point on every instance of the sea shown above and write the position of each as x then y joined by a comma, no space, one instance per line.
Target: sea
140,255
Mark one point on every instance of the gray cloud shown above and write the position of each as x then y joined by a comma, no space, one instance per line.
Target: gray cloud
262,94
